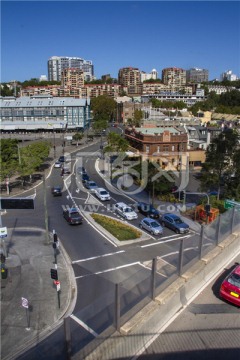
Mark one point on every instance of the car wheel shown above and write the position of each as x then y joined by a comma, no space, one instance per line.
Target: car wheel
163,224
140,225
152,233
177,231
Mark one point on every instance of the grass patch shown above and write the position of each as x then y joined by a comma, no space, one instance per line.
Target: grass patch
116,228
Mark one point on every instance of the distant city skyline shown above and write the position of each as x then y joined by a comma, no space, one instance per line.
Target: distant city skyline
116,34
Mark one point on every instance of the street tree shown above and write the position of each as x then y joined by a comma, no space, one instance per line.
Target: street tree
220,159
103,107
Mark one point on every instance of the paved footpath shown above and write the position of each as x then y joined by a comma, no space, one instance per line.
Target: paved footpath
29,262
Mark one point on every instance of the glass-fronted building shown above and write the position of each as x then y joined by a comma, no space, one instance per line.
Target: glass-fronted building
44,113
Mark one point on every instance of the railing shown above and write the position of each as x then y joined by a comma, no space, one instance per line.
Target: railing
120,301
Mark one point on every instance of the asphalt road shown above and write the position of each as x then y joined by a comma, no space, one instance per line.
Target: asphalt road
97,262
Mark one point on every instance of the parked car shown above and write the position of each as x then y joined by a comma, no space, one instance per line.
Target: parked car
72,216
81,170
152,226
174,222
58,164
102,194
148,210
85,177
57,191
230,287
90,185
125,211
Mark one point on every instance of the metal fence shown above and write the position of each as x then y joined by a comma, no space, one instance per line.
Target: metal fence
121,301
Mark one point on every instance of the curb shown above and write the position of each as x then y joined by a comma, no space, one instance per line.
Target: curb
68,308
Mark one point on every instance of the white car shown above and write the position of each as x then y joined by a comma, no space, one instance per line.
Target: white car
125,211
102,194
57,164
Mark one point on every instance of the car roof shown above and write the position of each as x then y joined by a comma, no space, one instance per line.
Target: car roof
236,270
150,220
173,216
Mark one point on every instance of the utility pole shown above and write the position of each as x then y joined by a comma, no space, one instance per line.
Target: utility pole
45,211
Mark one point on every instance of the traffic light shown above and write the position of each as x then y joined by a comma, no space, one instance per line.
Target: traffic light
207,209
54,274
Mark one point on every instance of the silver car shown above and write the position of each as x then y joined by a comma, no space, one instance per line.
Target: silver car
152,226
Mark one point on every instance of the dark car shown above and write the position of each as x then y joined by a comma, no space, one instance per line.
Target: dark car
230,287
148,210
72,216
57,191
85,177
61,159
81,170
174,222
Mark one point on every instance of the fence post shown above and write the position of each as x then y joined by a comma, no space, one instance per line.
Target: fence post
201,242
153,277
233,218
218,228
67,332
117,307
180,259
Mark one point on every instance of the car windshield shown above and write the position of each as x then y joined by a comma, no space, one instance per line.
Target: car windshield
154,224
92,183
234,279
104,192
128,210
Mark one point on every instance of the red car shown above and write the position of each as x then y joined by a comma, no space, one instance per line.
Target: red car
230,288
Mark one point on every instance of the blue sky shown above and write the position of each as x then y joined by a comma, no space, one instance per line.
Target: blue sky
115,34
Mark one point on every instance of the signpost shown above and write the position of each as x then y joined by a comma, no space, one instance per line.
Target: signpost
25,304
228,204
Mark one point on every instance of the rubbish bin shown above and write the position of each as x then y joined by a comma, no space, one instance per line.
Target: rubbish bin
4,273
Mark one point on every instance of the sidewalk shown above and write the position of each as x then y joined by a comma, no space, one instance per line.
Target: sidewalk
29,262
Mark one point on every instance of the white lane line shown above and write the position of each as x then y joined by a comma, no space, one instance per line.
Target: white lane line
97,257
109,270
85,326
160,242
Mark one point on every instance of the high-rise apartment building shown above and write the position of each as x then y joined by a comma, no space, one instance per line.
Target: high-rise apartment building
228,75
152,75
196,75
130,79
72,77
174,77
56,64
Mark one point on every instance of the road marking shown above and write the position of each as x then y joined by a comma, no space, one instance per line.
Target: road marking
85,326
109,270
160,242
97,257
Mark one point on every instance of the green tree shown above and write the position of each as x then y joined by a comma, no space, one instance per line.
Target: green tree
103,107
220,157
116,143
8,158
138,116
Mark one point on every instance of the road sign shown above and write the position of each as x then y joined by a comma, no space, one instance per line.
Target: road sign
17,203
57,283
3,232
25,302
228,204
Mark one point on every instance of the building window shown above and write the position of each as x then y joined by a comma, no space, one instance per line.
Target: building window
173,148
147,149
165,148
